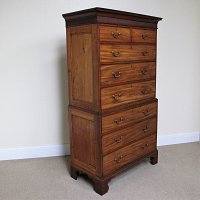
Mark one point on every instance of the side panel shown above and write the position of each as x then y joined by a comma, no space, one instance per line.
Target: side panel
85,141
82,66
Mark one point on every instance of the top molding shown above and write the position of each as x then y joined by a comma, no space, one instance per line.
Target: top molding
108,16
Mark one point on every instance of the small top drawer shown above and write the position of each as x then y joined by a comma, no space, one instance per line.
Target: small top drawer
115,34
142,35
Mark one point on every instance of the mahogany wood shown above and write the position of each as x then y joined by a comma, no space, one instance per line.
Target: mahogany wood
115,53
126,73
109,16
111,58
114,34
122,137
127,154
127,117
83,66
119,95
143,35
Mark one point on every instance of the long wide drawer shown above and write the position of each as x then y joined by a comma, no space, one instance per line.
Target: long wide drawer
119,95
121,73
124,53
116,160
120,138
127,117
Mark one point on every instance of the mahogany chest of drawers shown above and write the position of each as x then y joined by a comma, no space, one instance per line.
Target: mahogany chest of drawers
112,83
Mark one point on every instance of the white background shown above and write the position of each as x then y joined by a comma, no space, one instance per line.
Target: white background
33,79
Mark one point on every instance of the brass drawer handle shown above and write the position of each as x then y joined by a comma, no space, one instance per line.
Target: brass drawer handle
116,96
145,146
144,36
119,121
146,112
145,90
116,53
118,140
146,129
144,71
118,160
144,53
116,34
116,74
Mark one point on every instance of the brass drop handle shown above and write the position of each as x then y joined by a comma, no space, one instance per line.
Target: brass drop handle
118,140
145,90
116,34
115,53
116,96
144,71
116,74
146,129
118,160
119,121
144,53
146,112
144,36
145,146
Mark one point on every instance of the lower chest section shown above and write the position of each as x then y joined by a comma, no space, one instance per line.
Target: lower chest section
104,144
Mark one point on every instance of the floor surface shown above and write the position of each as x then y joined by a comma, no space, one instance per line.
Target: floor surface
175,177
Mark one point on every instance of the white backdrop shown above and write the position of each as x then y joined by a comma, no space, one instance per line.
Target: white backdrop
33,81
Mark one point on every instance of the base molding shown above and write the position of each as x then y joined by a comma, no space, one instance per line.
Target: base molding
34,152
61,150
178,138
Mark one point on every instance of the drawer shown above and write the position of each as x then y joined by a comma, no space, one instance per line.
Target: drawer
121,73
142,35
115,34
126,53
122,137
127,117
128,154
119,95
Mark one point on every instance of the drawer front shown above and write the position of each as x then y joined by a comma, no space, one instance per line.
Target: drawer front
122,137
142,35
115,34
119,95
128,154
121,73
124,53
124,118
